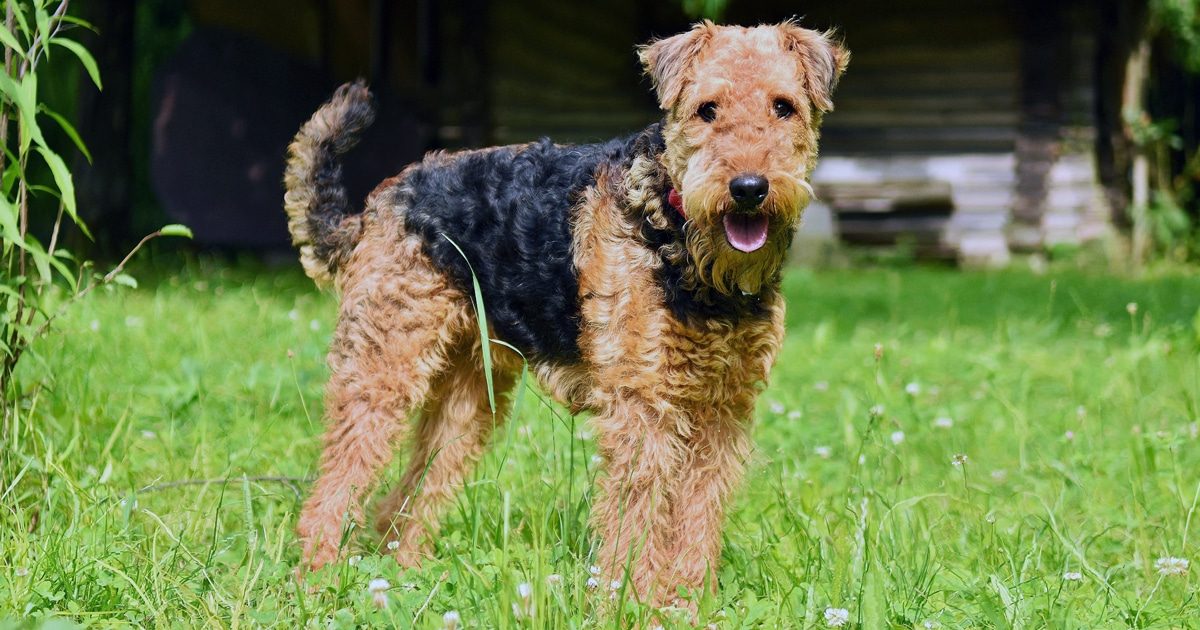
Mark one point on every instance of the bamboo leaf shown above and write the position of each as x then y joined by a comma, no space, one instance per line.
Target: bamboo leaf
85,57
23,22
10,41
66,185
69,129
176,229
43,27
125,280
26,101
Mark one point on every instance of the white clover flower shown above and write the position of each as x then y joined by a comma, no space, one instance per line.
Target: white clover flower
450,620
393,545
1171,565
1081,412
294,315
378,590
1073,576
593,583
553,579
525,607
999,475
943,422
823,452
912,389
95,325
836,617
876,411
21,571
1069,436
148,435
353,560
1131,308
897,437
614,585
777,407
959,459
930,624
795,414
596,460
594,570
314,325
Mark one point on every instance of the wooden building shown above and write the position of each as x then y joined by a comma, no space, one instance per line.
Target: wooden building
972,129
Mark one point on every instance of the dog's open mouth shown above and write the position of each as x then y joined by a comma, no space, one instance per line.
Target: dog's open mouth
746,232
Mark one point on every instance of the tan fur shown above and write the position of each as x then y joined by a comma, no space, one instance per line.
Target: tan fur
672,398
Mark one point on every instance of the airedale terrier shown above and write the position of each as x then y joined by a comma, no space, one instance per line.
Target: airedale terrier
639,277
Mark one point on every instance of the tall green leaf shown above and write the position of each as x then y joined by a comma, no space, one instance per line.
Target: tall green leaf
481,316
10,41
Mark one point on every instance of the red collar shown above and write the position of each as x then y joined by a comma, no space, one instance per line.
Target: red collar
676,201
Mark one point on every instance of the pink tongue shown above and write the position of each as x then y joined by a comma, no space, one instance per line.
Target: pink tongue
746,232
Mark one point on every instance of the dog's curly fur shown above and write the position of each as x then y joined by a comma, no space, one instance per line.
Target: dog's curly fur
640,312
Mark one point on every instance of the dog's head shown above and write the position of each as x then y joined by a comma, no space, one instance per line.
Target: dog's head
743,107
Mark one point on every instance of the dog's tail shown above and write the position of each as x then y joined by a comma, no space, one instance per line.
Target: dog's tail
318,211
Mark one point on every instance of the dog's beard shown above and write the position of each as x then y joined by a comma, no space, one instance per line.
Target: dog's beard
729,269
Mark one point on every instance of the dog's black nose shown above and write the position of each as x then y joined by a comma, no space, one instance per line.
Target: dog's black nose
749,190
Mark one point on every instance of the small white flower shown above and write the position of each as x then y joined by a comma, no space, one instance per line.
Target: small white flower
1069,436
823,452
524,608
930,624
95,325
912,389
959,459
897,437
593,583
821,386
614,585
378,589
353,560
862,459
294,315
553,579
878,356
450,620
21,571
1081,412
999,475
1171,565
583,434
314,325
1194,430
836,617
876,411
943,422
1072,576
1131,308
594,570
148,435
524,590
524,430
777,407
596,460
795,414
393,545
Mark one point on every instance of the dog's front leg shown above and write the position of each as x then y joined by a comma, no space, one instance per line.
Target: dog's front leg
632,515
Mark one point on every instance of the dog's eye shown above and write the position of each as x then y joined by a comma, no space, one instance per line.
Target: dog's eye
707,112
783,108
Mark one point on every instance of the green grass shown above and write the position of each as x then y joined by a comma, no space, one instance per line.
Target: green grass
1076,418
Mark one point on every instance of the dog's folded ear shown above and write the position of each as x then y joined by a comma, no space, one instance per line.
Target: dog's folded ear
667,60
822,58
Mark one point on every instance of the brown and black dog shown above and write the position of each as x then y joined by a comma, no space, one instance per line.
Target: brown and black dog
639,277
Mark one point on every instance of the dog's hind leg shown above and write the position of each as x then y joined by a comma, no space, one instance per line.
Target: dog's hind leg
455,427
398,318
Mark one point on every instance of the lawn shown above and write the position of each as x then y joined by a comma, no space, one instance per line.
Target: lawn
935,449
